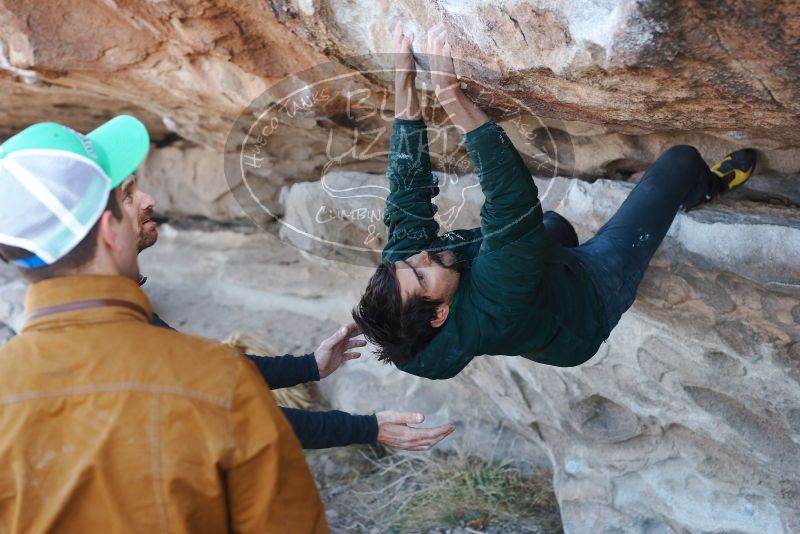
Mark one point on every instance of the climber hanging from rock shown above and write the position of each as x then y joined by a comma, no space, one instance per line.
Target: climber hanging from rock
519,284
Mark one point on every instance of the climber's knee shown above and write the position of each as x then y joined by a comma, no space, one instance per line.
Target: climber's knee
683,156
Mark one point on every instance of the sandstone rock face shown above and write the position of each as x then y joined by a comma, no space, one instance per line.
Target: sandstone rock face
641,66
188,179
622,80
687,420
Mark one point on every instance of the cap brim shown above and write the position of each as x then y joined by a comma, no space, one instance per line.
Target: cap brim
123,143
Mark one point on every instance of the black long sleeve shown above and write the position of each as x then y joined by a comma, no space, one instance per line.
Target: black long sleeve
286,371
315,430
320,430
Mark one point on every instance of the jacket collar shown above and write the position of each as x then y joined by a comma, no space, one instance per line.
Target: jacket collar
87,298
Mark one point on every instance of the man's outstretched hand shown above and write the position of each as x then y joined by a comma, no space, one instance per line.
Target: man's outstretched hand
394,432
336,350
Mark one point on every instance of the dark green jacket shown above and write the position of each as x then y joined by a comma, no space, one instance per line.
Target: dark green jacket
523,294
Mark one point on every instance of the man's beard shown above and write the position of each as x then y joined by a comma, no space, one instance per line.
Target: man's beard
147,239
148,235
457,266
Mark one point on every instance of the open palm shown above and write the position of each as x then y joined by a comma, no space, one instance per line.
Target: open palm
337,349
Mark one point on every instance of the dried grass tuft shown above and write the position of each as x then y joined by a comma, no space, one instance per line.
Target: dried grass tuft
407,492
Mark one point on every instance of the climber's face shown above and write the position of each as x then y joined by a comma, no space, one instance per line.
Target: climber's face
430,274
145,204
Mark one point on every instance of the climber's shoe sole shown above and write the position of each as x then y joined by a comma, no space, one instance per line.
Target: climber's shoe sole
735,168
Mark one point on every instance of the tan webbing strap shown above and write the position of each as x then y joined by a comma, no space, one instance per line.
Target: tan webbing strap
84,305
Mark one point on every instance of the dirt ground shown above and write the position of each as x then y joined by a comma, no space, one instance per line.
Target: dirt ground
368,489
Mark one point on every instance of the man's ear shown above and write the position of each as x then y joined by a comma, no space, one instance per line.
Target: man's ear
441,315
106,235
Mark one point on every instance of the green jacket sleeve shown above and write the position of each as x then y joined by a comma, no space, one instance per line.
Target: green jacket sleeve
409,215
509,263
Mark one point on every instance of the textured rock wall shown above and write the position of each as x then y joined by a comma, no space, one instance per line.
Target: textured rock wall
624,78
638,65
688,419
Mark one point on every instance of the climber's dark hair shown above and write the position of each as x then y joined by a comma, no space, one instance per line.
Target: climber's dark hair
399,330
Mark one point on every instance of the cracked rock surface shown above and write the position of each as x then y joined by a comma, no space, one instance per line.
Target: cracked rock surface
687,420
620,80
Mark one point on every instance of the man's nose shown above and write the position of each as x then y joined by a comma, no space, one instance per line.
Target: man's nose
426,257
149,202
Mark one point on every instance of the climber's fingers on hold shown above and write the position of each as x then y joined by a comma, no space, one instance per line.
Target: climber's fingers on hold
408,39
441,37
434,46
397,34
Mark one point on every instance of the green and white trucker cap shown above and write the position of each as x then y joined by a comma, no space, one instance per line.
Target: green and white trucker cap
55,182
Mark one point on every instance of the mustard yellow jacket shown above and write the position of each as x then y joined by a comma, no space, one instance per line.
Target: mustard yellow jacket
111,425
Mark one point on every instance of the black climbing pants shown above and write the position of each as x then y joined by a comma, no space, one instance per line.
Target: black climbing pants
618,254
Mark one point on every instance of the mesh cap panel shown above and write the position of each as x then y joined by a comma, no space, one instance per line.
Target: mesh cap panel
51,199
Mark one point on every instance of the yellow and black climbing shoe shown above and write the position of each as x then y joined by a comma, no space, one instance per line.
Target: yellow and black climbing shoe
735,168
730,173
